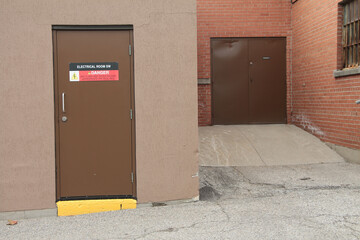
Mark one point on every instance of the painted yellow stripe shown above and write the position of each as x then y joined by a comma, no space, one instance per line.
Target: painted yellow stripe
78,207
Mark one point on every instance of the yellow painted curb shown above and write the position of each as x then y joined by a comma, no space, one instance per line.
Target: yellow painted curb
78,207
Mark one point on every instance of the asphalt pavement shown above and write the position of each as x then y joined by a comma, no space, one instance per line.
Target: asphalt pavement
314,201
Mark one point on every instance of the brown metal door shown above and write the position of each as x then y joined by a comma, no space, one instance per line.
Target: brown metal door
267,94
248,80
230,86
94,144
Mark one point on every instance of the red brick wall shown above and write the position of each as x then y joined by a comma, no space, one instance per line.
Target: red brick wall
237,18
317,102
322,104
204,103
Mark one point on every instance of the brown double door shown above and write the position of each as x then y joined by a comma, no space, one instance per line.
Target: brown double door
94,102
248,80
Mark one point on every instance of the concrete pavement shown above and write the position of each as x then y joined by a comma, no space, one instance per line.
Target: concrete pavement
316,201
261,145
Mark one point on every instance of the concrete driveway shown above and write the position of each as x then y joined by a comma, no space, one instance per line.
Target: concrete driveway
317,201
261,145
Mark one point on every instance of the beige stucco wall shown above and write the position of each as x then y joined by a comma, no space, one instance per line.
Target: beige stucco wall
165,95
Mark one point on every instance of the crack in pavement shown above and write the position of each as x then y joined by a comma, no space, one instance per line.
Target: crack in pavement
223,211
295,188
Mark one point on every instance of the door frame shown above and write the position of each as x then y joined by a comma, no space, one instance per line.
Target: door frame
55,29
212,79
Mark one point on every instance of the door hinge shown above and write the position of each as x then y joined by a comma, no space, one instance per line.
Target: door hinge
131,114
132,177
129,50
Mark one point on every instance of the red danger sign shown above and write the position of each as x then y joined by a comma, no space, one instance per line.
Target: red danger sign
86,72
111,75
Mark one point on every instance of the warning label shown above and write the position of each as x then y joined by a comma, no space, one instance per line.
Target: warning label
101,71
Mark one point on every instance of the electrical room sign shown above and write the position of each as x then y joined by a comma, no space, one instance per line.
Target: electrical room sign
92,72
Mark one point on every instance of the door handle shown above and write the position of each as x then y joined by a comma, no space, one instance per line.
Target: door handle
63,102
